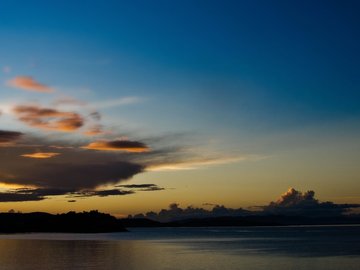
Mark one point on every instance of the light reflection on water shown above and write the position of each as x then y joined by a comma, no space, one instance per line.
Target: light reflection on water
258,248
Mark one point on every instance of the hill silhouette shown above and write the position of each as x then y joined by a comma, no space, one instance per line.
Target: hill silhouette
71,222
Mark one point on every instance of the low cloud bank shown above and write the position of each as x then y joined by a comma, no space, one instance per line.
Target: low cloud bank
174,212
291,203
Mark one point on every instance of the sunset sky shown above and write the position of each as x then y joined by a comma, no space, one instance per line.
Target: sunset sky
128,106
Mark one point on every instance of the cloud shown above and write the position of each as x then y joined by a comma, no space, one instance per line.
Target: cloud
291,203
18,197
41,155
138,186
6,69
104,193
142,187
174,212
9,136
47,118
28,194
297,203
95,115
76,171
68,101
118,145
74,176
196,162
116,102
95,131
29,84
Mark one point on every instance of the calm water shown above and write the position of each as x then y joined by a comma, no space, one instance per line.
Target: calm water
257,248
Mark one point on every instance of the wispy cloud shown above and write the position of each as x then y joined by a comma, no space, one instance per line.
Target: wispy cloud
27,83
116,102
6,69
41,155
68,101
118,145
95,131
199,162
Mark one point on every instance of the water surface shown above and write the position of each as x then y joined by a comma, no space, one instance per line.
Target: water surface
248,248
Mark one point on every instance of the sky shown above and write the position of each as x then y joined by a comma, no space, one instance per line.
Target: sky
128,106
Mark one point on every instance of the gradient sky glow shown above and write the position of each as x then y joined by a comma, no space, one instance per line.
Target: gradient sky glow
223,102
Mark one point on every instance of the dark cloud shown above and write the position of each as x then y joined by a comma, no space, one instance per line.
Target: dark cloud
155,188
74,176
291,203
174,212
138,186
19,197
95,116
74,170
297,203
28,194
142,187
104,193
48,118
118,145
9,136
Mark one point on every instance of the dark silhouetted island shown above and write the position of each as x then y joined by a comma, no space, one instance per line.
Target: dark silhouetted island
71,222
96,222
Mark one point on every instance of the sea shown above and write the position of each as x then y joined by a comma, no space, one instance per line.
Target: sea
207,248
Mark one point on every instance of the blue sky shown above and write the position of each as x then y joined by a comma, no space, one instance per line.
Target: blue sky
252,76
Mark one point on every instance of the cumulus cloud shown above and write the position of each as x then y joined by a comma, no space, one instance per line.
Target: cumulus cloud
29,84
47,118
291,203
174,212
297,203
118,145
41,155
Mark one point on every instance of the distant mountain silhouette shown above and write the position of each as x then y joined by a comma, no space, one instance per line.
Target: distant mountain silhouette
71,222
251,220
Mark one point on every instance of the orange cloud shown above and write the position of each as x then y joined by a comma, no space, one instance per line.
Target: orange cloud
94,131
41,155
118,145
47,118
29,84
